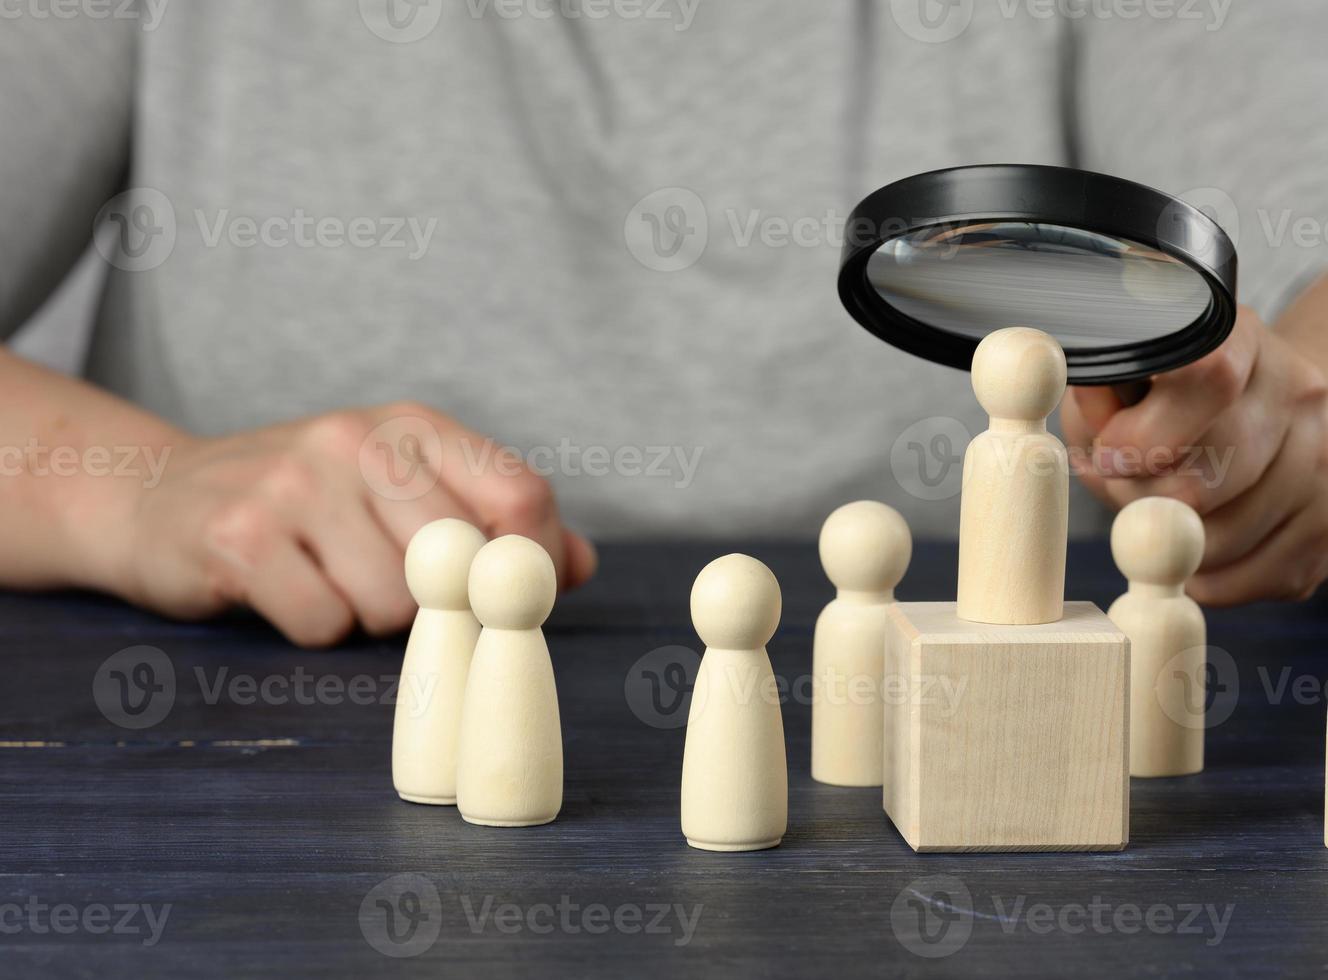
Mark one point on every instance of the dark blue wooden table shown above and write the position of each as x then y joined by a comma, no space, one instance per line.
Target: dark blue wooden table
203,800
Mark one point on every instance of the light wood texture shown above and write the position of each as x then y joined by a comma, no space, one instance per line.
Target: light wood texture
865,548
1014,508
1158,543
734,767
510,765
1007,738
427,720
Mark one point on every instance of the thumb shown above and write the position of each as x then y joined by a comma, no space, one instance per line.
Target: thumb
1096,406
580,560
1084,414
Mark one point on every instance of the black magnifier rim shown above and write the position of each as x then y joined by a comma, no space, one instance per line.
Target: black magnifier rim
1077,199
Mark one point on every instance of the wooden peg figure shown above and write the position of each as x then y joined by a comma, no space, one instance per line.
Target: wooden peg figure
1014,510
865,548
1158,543
510,767
734,768
427,723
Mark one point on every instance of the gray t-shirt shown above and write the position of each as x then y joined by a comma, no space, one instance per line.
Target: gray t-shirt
608,240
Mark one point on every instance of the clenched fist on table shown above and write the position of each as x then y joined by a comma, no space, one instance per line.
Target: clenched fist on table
306,522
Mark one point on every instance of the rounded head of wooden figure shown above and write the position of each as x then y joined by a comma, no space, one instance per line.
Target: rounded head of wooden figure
512,584
438,563
736,603
865,547
1019,373
1157,541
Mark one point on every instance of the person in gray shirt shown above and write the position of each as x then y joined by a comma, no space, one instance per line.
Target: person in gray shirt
586,250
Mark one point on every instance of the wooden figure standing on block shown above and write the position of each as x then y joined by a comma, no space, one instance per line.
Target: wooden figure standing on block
734,769
510,767
1158,543
1015,736
1014,511
427,723
865,549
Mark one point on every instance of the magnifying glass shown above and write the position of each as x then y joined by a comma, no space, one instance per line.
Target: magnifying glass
1132,282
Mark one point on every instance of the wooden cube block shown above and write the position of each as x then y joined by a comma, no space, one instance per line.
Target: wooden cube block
1007,738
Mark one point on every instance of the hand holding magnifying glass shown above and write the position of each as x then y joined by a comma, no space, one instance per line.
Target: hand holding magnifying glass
1178,395
1240,436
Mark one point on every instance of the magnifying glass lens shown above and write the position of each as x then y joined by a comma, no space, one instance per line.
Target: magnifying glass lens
1085,289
